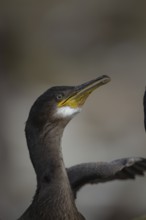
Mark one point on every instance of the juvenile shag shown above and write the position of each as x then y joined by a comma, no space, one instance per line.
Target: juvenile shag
57,186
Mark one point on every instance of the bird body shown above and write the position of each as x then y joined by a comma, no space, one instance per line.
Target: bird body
57,186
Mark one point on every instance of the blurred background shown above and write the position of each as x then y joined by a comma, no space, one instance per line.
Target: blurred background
45,43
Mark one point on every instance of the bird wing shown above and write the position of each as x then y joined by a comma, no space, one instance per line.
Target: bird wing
90,173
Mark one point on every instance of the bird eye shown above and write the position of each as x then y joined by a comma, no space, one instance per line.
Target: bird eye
59,96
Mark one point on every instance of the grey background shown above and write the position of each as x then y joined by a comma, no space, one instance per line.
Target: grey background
45,43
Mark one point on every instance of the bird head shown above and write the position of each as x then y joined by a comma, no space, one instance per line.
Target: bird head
61,103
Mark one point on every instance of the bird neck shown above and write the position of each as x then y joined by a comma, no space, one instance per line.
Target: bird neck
45,151
53,187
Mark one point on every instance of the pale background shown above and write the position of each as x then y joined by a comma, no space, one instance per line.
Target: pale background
45,43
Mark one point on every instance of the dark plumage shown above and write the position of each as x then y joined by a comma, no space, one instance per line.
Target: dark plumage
57,186
144,104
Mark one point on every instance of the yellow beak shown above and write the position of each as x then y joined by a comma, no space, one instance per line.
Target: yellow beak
81,92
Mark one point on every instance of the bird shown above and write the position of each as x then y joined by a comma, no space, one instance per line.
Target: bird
144,105
57,186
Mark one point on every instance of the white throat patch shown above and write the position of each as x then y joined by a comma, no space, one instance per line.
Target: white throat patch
67,111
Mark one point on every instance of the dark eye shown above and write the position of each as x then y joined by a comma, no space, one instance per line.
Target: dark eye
59,96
